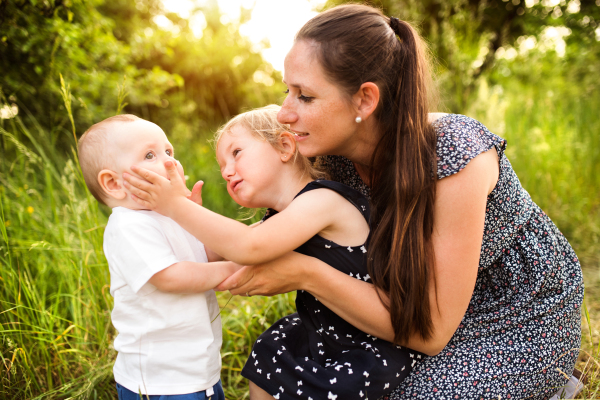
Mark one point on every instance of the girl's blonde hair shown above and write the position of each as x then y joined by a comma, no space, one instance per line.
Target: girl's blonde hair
262,124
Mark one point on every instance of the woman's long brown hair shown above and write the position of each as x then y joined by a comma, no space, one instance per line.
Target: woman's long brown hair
356,44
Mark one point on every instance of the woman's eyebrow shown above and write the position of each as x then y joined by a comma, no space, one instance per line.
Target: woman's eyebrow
297,85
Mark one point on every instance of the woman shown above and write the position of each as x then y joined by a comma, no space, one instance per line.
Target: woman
466,268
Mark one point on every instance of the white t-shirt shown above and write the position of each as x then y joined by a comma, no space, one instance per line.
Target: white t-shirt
167,343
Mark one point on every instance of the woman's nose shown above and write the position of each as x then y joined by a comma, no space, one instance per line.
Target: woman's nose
286,115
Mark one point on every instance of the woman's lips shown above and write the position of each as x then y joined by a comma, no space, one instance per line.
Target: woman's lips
300,136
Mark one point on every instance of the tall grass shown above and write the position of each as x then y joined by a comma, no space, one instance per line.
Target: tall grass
55,331
56,335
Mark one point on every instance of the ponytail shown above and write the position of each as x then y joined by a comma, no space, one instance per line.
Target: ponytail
357,44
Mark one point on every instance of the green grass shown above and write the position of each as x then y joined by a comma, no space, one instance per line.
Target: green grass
55,332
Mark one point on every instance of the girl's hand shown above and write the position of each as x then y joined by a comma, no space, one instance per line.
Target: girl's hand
282,275
196,194
155,192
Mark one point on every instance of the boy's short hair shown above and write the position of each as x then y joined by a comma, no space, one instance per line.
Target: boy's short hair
262,123
94,152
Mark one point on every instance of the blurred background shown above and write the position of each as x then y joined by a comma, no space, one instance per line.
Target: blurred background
528,69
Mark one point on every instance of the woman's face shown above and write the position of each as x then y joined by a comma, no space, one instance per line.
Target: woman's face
318,112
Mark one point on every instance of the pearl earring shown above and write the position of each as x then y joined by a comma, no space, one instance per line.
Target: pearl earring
358,120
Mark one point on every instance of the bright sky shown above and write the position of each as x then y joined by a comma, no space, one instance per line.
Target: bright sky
274,20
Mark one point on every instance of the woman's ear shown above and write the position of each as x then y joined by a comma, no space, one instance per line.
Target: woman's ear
111,184
366,99
287,145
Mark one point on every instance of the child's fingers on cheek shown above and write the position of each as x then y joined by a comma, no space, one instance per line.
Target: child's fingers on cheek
137,192
139,184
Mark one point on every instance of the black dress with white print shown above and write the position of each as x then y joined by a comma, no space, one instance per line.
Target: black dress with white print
315,354
521,333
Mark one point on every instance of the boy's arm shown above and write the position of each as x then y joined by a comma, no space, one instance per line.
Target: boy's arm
193,277
212,256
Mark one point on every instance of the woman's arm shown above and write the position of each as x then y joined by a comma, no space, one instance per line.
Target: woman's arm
458,232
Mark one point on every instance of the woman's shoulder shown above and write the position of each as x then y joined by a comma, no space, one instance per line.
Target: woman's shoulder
459,140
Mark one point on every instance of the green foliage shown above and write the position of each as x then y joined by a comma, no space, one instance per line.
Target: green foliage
464,35
55,331
173,76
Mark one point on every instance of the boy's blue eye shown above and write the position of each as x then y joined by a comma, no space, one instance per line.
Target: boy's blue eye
149,156
169,152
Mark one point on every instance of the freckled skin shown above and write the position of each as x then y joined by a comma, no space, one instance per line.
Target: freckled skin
317,107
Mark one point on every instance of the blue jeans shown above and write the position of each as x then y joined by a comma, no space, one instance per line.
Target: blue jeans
126,394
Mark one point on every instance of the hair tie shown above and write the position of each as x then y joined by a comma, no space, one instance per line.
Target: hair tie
395,25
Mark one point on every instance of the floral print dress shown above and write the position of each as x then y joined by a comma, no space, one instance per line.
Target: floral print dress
520,336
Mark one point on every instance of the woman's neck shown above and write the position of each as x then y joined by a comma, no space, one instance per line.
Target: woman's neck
364,172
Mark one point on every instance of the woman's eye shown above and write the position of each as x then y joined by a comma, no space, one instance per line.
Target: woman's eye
286,91
305,99
149,156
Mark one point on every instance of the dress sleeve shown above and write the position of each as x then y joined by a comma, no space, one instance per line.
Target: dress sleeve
460,139
137,249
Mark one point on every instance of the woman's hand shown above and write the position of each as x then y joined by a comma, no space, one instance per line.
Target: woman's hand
352,299
155,192
281,275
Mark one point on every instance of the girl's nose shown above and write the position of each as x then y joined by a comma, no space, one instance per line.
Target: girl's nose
227,171
286,115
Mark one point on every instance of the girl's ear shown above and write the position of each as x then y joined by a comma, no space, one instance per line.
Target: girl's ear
365,100
111,184
287,145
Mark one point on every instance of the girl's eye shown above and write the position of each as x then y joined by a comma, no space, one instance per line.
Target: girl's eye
149,156
236,152
169,152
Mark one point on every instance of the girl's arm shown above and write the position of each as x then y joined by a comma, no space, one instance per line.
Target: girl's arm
458,233
192,277
306,216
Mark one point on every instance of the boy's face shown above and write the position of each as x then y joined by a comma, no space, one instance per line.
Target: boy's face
143,144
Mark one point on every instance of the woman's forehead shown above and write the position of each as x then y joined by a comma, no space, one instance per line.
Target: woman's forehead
301,65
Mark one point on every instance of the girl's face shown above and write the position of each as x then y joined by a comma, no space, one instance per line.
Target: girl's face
250,166
321,116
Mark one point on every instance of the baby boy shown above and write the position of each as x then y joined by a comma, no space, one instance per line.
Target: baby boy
161,277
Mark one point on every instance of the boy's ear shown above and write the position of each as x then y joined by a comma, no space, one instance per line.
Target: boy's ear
111,184
288,146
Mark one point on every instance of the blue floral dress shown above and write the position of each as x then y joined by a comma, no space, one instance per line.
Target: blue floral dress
522,328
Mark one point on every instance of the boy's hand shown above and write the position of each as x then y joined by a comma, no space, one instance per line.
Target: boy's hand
196,195
155,192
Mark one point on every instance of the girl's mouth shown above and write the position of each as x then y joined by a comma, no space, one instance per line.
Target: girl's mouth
235,185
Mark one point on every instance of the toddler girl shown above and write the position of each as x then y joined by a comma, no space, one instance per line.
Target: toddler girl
313,353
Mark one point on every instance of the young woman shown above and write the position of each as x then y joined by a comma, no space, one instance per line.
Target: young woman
465,266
